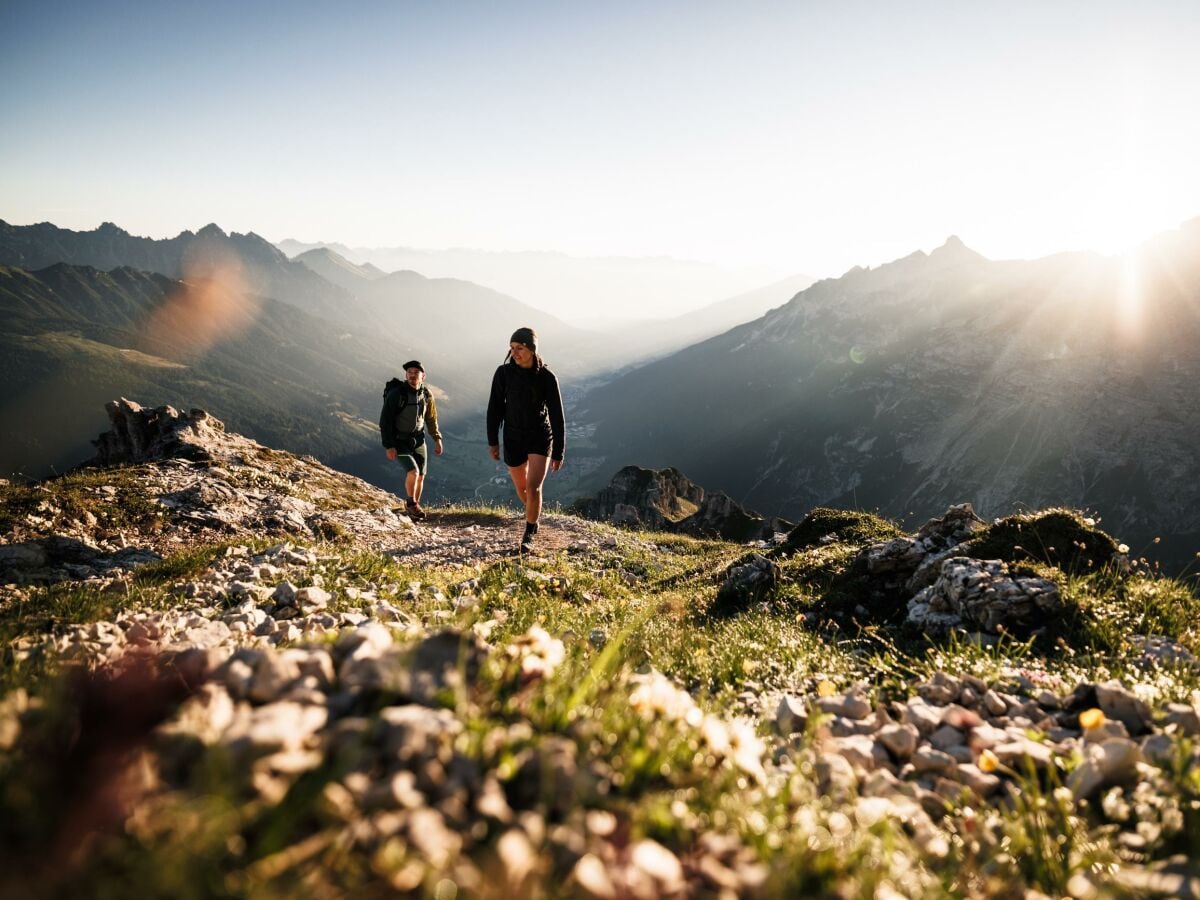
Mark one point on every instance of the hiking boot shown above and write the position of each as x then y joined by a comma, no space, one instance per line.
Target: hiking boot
413,508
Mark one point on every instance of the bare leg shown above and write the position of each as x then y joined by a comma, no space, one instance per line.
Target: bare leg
418,488
518,475
533,490
410,484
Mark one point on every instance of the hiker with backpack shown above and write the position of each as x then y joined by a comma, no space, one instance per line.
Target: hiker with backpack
408,408
526,399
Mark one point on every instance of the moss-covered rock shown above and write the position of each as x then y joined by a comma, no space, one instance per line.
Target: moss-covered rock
825,526
1057,537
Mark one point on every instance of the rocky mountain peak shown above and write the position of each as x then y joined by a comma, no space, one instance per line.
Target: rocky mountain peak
211,230
954,251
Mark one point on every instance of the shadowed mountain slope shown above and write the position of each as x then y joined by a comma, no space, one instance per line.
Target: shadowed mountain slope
1064,380
72,334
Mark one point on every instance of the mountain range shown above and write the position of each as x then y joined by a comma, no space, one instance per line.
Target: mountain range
1064,380
580,290
932,379
259,266
82,331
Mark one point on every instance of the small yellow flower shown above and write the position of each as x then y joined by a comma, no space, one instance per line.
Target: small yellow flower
1091,718
988,761
826,689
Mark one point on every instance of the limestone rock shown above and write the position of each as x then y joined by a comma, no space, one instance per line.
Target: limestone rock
984,594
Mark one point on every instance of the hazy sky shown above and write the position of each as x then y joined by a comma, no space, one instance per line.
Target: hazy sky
808,136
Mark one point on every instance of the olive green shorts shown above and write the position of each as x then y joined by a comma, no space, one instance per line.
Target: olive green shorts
414,460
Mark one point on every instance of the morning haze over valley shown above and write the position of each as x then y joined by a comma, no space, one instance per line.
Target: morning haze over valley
877,332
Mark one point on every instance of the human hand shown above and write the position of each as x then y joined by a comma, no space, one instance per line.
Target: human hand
437,446
555,465
494,451
391,453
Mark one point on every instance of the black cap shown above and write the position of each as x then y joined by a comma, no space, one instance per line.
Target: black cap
526,336
413,364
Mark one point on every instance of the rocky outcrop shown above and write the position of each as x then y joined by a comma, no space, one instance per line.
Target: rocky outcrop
666,500
960,573
645,498
164,478
139,434
985,596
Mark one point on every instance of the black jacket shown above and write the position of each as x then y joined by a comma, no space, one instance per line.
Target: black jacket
529,404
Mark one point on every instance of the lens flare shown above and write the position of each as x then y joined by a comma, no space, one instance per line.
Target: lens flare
211,304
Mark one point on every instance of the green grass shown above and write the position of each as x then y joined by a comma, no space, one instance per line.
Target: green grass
56,504
622,613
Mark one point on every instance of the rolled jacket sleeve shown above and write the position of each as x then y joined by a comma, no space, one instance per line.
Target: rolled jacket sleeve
431,423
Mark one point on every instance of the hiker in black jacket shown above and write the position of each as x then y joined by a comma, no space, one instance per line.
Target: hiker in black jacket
408,408
526,399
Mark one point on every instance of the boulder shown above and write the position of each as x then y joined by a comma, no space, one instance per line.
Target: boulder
746,582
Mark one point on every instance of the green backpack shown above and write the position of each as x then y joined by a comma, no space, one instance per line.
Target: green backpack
410,407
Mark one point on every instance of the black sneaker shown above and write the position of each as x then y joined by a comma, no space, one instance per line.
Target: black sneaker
531,528
413,508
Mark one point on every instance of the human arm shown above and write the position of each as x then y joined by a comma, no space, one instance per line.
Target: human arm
558,425
431,423
495,411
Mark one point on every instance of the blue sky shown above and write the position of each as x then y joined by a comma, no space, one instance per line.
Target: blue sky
809,137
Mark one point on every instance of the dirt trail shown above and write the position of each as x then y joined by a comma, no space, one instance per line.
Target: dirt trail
468,539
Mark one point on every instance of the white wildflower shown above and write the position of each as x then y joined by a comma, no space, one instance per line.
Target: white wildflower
748,749
539,653
654,695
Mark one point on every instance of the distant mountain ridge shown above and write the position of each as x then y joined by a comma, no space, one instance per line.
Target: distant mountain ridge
263,268
939,377
571,287
458,320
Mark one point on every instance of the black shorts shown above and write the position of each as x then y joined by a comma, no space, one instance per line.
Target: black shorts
519,447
